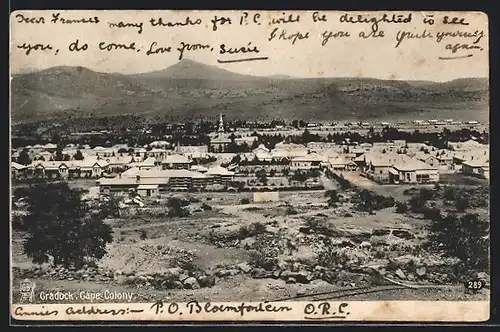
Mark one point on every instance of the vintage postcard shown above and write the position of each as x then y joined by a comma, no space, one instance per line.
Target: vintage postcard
249,165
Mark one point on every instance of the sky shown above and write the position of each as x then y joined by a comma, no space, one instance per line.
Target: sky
353,56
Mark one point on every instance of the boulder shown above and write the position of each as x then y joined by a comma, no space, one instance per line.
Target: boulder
365,244
291,280
303,277
177,285
244,267
206,281
222,273
259,273
305,230
121,279
191,283
421,271
276,274
247,243
234,272
483,276
319,268
400,274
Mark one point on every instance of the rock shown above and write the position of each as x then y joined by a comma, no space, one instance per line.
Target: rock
249,242
400,274
203,281
177,285
483,276
365,244
348,244
305,230
303,277
421,271
319,268
403,234
301,292
291,280
259,273
244,267
276,274
183,277
191,283
121,280
234,272
411,276
222,273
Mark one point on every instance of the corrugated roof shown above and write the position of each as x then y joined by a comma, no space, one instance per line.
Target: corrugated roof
412,164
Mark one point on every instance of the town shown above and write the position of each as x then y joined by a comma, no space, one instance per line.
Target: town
265,160
263,210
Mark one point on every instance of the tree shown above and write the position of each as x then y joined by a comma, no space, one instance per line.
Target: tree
78,155
59,155
24,158
61,225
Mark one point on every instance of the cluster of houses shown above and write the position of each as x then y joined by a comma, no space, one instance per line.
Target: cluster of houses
160,167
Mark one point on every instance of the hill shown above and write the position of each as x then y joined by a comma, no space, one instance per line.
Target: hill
189,90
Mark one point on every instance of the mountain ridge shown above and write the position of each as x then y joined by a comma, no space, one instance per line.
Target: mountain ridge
193,89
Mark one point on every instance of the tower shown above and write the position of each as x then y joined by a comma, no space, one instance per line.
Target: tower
221,124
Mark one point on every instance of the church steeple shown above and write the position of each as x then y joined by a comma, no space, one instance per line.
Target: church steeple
221,124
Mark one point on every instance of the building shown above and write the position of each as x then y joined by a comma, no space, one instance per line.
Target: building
176,161
155,181
18,171
412,171
48,170
377,165
89,168
219,143
149,163
466,146
221,175
310,161
479,166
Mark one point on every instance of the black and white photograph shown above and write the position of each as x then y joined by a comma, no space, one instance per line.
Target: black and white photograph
219,157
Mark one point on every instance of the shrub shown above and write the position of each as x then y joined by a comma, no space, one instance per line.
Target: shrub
370,201
253,229
462,202
290,210
333,197
432,214
177,207
245,201
144,235
319,226
466,238
265,259
401,207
